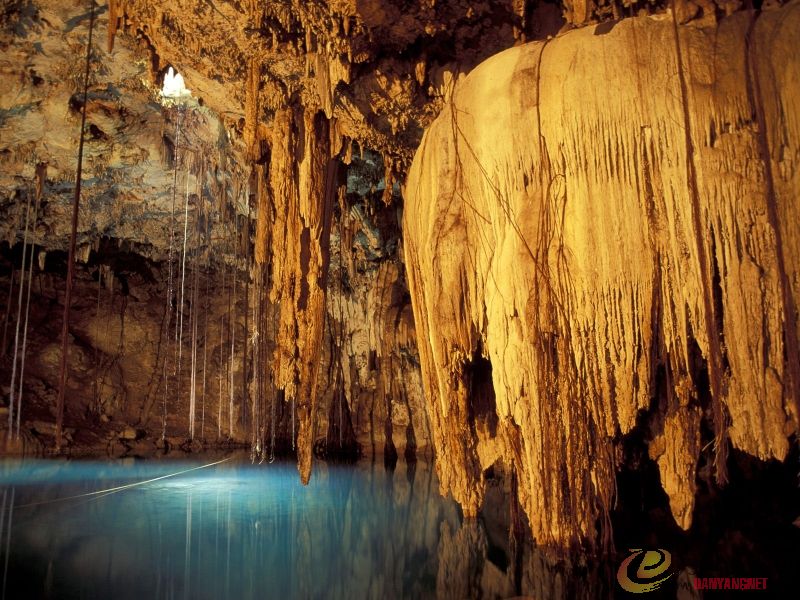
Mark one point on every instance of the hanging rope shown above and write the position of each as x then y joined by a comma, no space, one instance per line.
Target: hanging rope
340,341
41,173
179,312
245,387
194,315
19,316
222,362
168,315
62,378
96,385
205,326
232,320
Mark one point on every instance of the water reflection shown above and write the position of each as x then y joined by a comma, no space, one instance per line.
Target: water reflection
240,531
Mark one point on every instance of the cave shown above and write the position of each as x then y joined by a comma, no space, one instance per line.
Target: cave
399,299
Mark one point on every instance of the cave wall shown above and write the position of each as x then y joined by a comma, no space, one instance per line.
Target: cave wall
150,173
601,231
116,401
370,364
256,224
132,142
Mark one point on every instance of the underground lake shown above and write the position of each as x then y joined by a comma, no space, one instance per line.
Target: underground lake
461,299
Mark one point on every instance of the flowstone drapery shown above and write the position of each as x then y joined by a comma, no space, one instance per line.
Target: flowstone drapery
604,226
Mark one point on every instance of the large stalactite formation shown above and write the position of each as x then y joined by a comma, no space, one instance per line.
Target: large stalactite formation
632,247
512,234
298,252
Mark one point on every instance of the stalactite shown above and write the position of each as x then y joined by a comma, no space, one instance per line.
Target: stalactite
116,12
251,109
513,263
711,319
62,379
757,101
300,237
260,256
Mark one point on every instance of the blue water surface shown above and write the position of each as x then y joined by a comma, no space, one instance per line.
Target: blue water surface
232,530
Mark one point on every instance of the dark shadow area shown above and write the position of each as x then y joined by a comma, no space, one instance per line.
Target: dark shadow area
480,391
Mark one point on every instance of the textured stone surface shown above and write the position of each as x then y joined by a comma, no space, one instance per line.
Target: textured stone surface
370,355
376,68
237,164
601,275
610,220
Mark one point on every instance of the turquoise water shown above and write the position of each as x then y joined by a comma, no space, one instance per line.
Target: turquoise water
164,529
233,530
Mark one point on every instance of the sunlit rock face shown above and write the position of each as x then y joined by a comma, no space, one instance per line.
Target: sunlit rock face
131,143
601,234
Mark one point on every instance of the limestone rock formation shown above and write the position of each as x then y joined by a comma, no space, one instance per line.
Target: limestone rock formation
370,363
597,239
221,166
604,227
